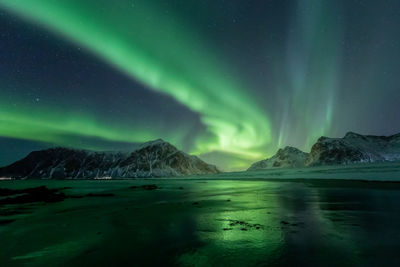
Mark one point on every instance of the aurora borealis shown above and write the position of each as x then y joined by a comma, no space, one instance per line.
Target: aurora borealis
230,81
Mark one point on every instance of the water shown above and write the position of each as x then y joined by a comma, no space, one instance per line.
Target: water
206,223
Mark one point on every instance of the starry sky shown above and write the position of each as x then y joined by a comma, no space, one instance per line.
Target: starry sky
229,81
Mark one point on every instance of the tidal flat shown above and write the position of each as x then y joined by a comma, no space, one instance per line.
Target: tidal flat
199,222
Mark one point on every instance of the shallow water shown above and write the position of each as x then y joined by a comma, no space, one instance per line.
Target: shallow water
205,223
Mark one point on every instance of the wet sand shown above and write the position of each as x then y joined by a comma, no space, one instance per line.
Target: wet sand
201,223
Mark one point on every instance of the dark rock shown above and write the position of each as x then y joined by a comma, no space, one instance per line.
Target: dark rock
147,187
30,195
75,196
100,195
10,212
150,187
8,192
6,221
244,225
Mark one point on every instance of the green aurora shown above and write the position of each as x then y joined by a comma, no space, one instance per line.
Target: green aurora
248,78
154,53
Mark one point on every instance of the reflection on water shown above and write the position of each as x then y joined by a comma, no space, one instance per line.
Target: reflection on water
206,223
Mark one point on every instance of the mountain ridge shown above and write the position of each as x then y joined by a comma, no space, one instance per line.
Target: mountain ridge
352,148
286,157
156,158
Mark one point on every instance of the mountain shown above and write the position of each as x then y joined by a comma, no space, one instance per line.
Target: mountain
153,159
288,157
352,148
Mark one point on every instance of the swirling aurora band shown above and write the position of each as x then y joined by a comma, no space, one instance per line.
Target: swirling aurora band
154,53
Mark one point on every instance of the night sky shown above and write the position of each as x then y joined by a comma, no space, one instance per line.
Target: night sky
230,81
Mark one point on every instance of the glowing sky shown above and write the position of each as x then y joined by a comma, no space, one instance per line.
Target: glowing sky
226,80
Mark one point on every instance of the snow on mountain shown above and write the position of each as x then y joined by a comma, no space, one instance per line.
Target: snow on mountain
289,157
354,148
152,159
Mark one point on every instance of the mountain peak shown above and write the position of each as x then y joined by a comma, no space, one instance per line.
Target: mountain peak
353,135
290,149
154,159
288,157
155,142
354,148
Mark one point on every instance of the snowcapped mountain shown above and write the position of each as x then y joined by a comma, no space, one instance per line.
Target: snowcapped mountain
354,148
289,157
152,159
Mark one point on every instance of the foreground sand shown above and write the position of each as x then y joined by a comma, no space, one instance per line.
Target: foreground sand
204,223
